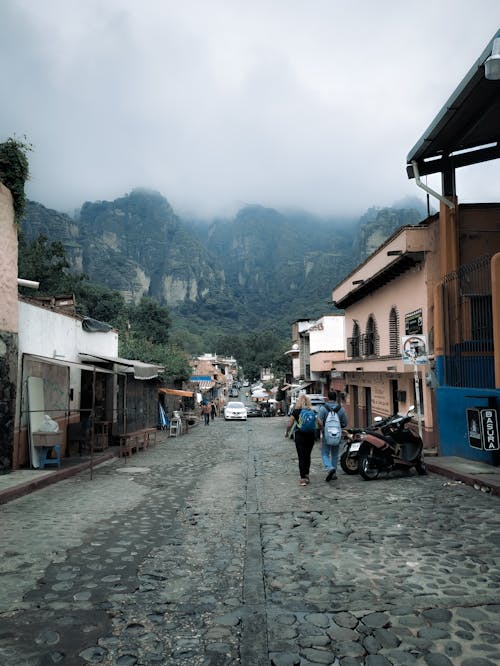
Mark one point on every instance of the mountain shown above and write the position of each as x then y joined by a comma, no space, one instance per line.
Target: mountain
261,268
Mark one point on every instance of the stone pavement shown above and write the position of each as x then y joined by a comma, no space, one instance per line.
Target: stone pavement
205,550
21,482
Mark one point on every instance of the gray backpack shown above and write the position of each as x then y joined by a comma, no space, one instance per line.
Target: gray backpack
332,432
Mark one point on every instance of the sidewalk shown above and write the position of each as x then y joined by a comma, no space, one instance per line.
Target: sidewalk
21,482
24,481
479,475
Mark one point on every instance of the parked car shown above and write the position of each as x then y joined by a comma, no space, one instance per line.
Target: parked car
235,411
254,410
316,401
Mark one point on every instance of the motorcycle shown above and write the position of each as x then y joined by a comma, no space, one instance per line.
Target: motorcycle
392,446
352,439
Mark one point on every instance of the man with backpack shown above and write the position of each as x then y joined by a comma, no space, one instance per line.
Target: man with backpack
331,419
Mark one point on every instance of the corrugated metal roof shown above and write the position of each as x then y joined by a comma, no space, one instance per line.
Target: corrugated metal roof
469,121
141,370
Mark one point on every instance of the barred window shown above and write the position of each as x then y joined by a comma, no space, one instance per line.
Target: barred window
394,348
371,337
354,341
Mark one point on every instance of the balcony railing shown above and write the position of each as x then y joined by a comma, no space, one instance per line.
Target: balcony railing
363,346
354,347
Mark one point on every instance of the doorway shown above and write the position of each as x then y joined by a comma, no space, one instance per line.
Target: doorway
355,405
394,396
368,404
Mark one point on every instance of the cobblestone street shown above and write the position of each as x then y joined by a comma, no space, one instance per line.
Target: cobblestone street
205,550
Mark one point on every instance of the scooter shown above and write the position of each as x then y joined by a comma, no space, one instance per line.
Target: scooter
352,439
393,446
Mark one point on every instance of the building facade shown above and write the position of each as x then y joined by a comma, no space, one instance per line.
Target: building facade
386,299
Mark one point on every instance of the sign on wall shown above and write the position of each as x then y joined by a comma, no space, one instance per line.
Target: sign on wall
482,428
414,323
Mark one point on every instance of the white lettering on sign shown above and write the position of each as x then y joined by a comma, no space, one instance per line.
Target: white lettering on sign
490,429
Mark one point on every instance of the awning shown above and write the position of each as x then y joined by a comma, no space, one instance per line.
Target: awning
205,382
141,370
179,392
68,364
205,386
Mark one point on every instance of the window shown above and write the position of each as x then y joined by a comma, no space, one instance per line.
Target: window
353,347
370,346
394,349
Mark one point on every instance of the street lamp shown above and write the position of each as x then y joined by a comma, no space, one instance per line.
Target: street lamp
492,64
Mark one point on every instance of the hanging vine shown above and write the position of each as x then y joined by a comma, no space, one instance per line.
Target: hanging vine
14,172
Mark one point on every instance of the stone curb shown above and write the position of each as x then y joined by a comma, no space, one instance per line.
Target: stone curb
489,481
22,489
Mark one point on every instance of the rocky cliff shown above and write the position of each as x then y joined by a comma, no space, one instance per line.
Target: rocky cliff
262,265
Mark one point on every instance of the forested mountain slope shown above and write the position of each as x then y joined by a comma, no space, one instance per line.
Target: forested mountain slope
262,268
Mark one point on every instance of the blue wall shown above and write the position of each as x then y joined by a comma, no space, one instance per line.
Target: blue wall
452,423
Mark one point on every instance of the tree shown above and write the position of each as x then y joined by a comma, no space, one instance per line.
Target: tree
174,361
150,320
45,263
14,172
100,303
188,341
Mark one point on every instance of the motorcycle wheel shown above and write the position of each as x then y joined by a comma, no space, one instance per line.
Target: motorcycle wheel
421,468
368,468
349,464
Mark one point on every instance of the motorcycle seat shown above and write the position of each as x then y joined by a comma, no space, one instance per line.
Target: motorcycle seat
379,435
377,439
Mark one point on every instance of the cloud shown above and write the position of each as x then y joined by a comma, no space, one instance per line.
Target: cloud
301,103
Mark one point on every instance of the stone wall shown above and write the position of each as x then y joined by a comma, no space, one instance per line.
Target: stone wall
8,373
8,328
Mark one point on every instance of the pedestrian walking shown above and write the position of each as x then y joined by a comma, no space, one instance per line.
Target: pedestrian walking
330,452
303,436
205,410
212,410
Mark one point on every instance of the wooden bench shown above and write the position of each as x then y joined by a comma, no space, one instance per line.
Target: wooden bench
150,437
140,439
128,442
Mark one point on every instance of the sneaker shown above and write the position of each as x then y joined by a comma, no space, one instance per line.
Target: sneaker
307,478
331,476
303,482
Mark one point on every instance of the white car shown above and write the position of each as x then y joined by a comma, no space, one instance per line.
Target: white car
235,411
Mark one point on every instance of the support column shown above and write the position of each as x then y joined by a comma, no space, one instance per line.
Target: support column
448,239
439,351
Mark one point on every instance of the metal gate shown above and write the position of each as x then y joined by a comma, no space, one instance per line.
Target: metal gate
468,326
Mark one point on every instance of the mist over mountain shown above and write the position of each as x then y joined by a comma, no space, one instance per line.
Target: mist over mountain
261,268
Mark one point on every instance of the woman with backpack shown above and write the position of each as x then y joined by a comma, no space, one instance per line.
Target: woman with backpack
301,425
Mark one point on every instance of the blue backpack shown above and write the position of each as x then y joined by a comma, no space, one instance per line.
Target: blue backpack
307,420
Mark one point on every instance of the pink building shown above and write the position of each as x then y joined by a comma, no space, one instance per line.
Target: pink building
385,299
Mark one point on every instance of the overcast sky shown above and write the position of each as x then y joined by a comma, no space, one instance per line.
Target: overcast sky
218,103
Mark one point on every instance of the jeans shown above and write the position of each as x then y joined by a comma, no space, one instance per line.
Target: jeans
207,418
329,455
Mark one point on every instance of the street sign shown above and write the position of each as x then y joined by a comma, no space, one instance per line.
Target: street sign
414,349
482,428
